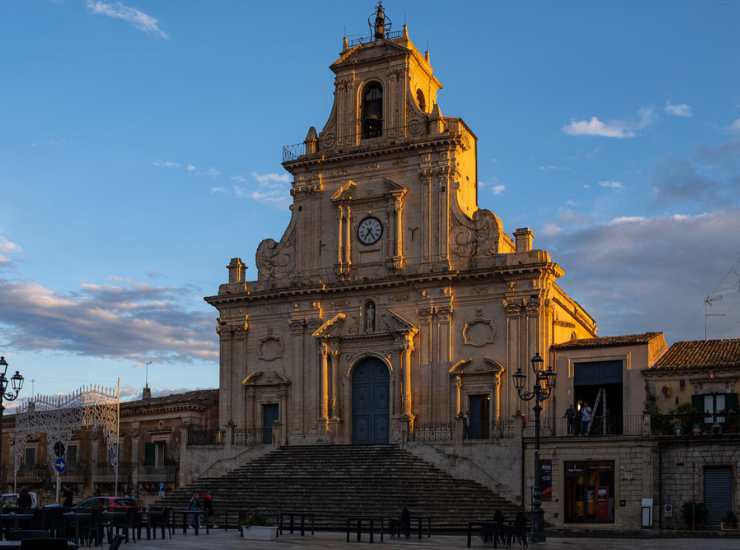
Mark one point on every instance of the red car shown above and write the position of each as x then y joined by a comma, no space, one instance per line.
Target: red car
107,504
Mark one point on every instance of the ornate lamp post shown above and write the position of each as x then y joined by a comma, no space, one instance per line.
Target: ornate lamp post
543,386
16,383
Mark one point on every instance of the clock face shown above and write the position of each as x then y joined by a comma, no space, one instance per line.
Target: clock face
369,231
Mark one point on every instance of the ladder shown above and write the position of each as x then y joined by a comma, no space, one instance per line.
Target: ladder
600,395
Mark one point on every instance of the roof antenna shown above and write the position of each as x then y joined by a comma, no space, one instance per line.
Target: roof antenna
146,384
708,301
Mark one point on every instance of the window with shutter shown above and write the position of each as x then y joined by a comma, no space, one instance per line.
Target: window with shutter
149,454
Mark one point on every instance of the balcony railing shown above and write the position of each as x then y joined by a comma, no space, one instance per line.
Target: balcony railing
330,142
390,35
433,432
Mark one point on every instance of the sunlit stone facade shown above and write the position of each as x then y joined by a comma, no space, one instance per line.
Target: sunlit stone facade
391,297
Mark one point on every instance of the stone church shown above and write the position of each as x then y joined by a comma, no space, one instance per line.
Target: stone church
392,302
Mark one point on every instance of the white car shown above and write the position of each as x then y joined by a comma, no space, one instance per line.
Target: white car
10,500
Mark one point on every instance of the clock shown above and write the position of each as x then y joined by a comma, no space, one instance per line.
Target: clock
370,230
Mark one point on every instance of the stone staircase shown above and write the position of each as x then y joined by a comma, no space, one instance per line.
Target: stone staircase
337,481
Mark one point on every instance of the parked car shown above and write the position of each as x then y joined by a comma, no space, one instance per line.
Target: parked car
107,504
10,500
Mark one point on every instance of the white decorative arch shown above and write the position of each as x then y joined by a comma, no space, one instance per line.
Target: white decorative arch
59,416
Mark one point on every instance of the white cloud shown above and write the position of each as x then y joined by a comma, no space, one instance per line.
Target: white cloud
190,168
217,190
133,321
7,246
626,219
166,164
140,20
611,184
211,173
678,109
239,179
551,229
498,189
271,179
734,127
625,272
619,129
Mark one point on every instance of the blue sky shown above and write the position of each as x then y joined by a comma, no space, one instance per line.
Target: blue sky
140,148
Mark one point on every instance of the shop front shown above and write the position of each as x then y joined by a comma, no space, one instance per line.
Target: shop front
589,492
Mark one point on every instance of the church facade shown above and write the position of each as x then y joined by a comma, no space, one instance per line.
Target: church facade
392,302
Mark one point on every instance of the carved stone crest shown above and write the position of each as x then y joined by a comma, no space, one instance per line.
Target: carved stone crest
271,348
480,331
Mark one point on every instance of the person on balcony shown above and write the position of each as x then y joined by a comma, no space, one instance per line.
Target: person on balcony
570,419
585,418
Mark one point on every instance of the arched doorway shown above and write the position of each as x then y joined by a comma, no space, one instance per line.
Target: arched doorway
370,390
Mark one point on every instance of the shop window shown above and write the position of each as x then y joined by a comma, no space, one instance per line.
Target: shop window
589,492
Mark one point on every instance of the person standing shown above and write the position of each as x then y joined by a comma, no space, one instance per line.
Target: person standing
68,498
570,418
25,502
585,418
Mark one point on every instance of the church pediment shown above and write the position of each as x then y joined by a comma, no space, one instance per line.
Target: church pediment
332,327
263,378
482,366
395,323
345,192
368,53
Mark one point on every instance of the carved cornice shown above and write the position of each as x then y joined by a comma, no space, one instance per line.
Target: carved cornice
498,273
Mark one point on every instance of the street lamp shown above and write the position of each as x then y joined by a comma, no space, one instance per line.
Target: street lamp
542,389
16,384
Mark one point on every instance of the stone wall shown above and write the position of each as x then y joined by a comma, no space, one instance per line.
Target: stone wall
634,476
496,465
214,460
683,464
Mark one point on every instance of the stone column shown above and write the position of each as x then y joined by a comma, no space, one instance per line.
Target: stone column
425,175
325,398
408,348
225,367
347,238
336,355
340,239
239,369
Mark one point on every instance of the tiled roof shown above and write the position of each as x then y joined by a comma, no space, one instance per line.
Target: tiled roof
196,397
701,354
605,341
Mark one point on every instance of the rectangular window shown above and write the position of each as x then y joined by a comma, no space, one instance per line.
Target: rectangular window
589,492
71,455
160,453
150,454
30,457
716,406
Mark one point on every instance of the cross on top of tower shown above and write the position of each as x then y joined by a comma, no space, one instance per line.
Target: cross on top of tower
382,22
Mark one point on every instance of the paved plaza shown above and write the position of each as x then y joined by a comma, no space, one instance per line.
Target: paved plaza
231,540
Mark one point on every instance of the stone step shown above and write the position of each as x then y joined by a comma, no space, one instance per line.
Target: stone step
337,481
